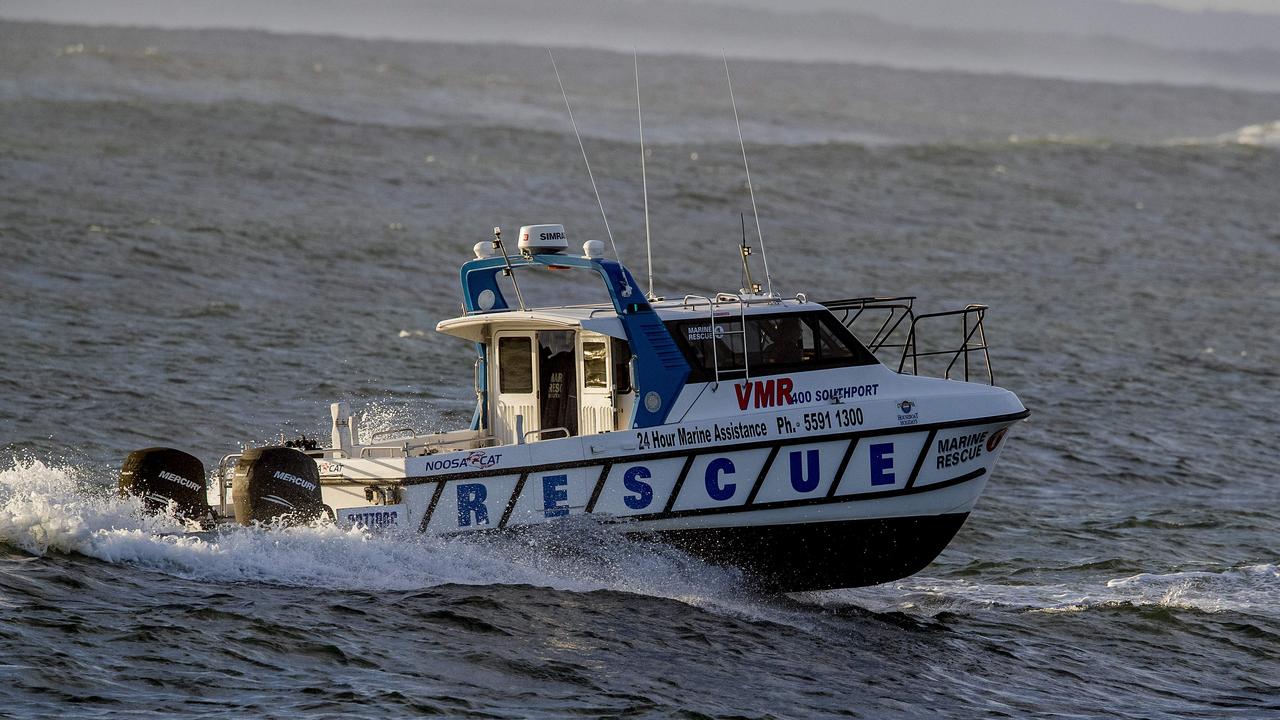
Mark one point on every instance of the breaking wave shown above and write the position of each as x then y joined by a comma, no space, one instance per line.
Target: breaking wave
1264,134
1260,135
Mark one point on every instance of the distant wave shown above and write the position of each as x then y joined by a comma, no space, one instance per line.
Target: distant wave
1267,134
1260,135
257,76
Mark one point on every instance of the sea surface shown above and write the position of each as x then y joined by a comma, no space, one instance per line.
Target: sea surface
206,237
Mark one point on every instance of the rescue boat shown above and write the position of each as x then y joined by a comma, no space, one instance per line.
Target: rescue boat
800,441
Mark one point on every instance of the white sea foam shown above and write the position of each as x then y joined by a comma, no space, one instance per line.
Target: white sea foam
1266,134
389,418
46,509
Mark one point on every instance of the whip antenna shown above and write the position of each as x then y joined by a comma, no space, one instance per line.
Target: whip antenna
644,180
768,279
748,284
585,161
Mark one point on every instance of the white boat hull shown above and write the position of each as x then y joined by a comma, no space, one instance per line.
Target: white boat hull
831,508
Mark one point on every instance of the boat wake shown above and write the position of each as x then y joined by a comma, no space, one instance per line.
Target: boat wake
1250,589
50,509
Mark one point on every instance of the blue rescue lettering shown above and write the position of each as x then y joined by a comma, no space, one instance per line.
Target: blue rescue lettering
554,493
471,497
634,480
798,480
715,490
882,464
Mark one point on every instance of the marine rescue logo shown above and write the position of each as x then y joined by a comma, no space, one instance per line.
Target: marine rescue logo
695,333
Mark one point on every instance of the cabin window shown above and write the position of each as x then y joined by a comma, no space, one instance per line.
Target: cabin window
515,365
773,344
595,364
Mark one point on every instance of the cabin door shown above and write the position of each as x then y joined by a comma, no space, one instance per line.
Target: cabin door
557,383
596,384
516,409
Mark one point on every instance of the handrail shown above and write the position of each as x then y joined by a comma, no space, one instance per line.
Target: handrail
713,306
724,297
539,433
594,306
479,439
891,323
375,437
870,300
901,308
742,323
911,348
222,483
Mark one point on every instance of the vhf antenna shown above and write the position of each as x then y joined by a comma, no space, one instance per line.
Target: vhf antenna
750,285
497,245
768,279
644,180
585,161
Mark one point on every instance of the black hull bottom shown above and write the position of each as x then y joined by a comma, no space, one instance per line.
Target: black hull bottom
823,556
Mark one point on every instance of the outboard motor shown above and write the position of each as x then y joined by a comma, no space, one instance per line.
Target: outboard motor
273,482
160,475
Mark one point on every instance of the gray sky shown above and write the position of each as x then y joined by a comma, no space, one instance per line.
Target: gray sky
204,12
1270,7
1253,6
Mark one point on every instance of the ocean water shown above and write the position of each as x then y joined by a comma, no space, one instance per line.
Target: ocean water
207,237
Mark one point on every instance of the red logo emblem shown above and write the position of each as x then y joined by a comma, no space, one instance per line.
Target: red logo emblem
993,442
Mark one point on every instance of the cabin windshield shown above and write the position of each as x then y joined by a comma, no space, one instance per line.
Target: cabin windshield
773,344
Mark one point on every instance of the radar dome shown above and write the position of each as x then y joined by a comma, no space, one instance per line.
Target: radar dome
538,239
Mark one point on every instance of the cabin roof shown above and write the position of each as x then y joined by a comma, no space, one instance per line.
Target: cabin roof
596,318
601,318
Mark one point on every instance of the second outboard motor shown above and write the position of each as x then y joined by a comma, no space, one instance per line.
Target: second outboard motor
160,475
273,482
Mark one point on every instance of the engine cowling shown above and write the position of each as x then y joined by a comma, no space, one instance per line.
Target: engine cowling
276,482
159,475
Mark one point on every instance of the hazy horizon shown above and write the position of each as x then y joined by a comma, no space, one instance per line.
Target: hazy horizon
1186,42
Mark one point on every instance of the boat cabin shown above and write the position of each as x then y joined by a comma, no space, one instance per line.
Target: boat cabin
562,372
544,373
